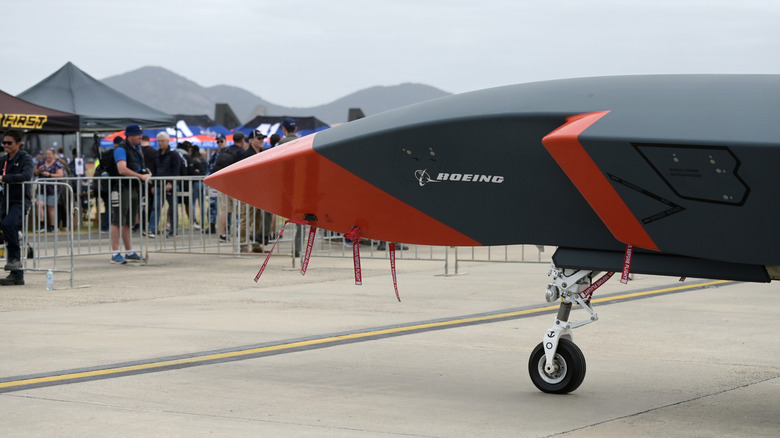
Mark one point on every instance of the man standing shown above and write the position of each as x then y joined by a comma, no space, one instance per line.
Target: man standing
221,144
226,157
168,164
250,226
124,196
150,161
17,168
288,128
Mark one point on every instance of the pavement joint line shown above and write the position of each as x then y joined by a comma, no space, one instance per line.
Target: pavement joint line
63,377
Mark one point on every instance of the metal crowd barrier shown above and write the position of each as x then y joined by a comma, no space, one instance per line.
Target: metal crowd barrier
44,245
181,214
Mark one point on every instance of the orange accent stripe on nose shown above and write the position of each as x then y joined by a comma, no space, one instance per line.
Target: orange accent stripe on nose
564,146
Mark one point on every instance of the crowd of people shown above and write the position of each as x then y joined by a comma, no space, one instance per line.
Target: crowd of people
143,161
133,158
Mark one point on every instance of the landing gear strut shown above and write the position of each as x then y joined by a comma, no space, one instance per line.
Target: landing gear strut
556,365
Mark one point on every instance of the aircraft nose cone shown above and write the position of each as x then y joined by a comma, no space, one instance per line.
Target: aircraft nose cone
273,180
295,182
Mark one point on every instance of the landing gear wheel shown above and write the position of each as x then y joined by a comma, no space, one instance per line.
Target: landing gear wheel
569,364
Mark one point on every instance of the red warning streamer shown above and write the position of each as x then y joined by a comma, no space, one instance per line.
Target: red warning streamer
309,246
586,294
354,236
392,269
627,264
268,257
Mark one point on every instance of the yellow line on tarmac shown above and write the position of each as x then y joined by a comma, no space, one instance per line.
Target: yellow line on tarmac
660,291
260,350
54,379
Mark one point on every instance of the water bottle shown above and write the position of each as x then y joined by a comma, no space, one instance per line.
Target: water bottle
50,280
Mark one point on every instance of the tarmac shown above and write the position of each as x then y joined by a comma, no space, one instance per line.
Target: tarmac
188,345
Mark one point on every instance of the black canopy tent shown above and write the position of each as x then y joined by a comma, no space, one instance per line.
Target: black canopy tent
100,107
305,125
25,116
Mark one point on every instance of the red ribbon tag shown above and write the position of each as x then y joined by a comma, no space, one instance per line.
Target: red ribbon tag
354,236
356,258
392,269
627,264
309,246
268,257
592,288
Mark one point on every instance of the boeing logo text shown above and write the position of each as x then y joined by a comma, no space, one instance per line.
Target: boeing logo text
470,177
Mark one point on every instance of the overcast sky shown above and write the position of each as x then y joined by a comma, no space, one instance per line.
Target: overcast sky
311,52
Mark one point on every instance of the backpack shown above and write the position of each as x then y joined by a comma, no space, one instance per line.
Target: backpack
106,167
184,163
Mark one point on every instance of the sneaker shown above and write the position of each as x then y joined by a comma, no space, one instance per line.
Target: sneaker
13,265
50,229
196,227
150,234
133,258
118,259
223,238
12,280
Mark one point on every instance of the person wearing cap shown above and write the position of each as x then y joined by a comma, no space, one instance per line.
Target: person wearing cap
225,157
288,128
256,139
250,223
125,196
213,195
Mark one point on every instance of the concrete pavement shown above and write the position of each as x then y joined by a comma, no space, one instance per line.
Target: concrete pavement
701,362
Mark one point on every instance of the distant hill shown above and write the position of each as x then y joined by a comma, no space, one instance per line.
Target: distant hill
175,94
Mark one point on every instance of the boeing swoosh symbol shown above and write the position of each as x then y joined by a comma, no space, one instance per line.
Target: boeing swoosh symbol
423,178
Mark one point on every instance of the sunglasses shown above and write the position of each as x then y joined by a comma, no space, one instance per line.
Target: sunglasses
220,141
7,143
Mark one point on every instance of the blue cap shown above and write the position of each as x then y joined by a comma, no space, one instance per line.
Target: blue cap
133,129
288,123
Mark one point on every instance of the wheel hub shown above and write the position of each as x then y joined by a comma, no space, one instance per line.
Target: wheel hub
556,374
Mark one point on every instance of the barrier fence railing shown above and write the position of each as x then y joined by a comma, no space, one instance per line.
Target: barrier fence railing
42,248
182,214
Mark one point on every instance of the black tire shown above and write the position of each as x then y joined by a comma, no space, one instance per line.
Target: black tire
571,364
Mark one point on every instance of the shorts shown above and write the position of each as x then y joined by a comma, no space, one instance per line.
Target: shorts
51,200
123,207
222,200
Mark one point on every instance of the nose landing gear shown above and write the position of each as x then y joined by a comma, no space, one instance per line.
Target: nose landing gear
557,365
